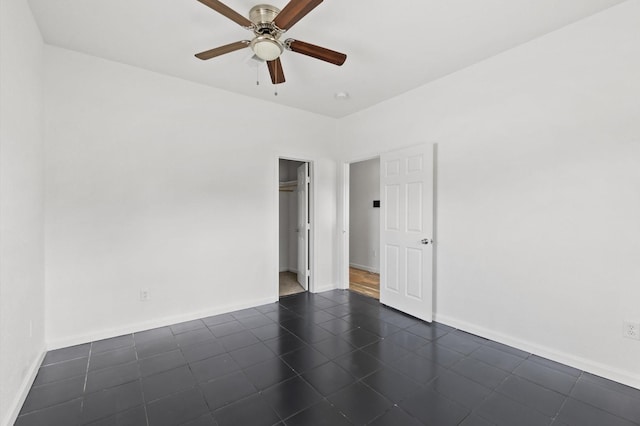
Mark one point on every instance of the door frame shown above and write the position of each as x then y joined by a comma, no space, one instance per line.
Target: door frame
343,280
312,215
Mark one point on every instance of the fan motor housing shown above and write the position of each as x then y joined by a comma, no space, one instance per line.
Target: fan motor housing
262,14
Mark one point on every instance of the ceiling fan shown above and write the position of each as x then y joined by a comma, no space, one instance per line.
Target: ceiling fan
268,24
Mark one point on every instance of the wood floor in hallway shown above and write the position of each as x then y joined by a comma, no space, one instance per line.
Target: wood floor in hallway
364,282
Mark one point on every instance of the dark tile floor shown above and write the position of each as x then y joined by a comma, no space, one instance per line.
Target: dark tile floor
335,358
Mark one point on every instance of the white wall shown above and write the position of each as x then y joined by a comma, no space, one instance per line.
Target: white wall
21,205
364,219
538,206
141,193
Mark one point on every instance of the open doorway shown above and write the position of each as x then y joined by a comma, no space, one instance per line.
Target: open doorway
294,227
364,227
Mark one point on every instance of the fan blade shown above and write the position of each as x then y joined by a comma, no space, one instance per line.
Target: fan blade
294,11
317,52
222,50
228,12
275,69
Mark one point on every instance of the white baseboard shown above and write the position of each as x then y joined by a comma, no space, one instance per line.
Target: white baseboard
625,377
326,287
364,268
147,325
21,395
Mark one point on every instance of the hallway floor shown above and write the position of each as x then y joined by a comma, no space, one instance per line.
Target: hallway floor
364,282
335,358
289,284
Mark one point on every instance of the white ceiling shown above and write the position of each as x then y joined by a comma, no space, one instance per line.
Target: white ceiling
392,46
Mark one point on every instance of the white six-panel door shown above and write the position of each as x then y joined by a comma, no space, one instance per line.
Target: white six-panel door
406,229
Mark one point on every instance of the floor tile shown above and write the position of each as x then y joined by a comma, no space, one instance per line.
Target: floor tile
206,420
440,354
166,383
396,417
304,359
474,420
112,376
191,337
156,346
67,354
269,373
218,319
313,334
415,367
252,411
320,414
163,362
497,358
431,408
250,355
269,331
153,334
112,358
111,344
426,331
285,344
214,367
67,414
391,384
506,412
62,370
245,313
556,366
328,378
545,376
459,343
227,389
535,396
385,351
360,403
187,326
289,397
611,385
614,402
381,328
55,393
459,389
406,340
358,363
360,337
333,347
336,326
577,413
255,321
478,371
111,401
136,416
202,350
227,328
238,340
508,349
177,409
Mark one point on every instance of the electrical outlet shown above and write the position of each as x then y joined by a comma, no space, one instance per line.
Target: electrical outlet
144,295
631,330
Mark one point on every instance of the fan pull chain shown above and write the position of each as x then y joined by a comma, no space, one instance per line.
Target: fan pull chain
257,76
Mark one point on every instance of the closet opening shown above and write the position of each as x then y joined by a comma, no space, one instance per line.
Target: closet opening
294,226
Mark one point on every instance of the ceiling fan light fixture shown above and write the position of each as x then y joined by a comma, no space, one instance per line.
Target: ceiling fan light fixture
267,47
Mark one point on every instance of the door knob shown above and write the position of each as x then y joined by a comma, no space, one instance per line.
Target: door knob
426,241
